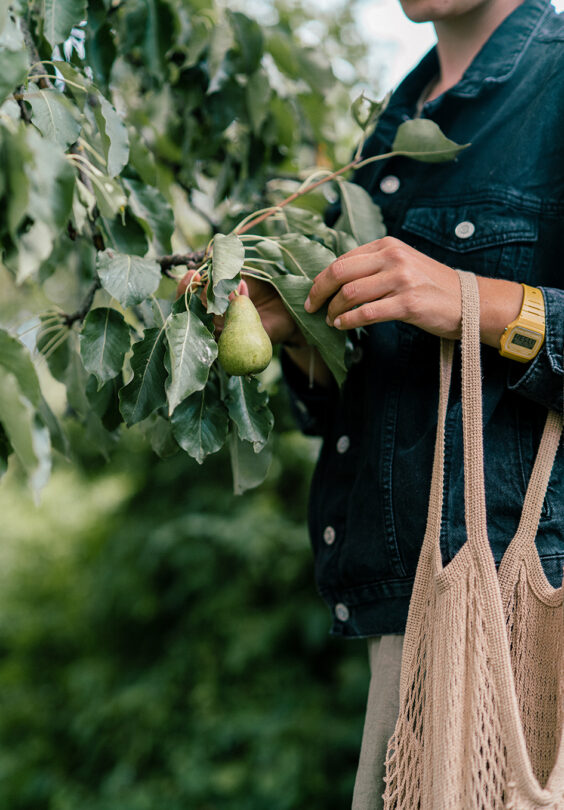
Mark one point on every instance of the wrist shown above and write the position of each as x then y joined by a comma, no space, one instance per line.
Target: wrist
500,305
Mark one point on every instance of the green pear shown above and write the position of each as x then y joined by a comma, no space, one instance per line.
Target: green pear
243,347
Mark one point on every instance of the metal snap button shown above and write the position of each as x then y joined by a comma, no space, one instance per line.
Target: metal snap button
329,535
390,184
343,444
342,612
464,230
356,354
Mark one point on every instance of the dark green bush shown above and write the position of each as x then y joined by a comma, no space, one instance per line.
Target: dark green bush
171,652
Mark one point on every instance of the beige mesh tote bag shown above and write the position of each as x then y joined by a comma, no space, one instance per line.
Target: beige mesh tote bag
482,684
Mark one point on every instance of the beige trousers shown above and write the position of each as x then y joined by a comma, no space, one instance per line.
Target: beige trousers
382,708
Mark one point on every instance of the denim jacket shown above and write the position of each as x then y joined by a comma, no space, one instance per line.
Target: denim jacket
498,211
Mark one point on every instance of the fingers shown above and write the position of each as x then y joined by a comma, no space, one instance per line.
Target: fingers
390,308
242,289
188,280
344,270
358,292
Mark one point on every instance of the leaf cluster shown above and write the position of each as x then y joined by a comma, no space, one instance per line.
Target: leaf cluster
122,124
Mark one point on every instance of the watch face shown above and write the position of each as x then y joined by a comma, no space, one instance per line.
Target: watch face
525,341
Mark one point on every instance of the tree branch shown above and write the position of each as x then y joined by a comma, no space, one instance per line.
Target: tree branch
83,311
191,260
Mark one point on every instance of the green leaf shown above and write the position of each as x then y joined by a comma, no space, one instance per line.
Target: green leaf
53,342
191,351
53,117
51,181
422,139
129,279
47,194
303,256
154,213
329,341
250,42
101,51
227,260
14,157
125,234
366,111
305,221
34,247
59,16
15,358
59,440
286,123
145,392
6,451
249,468
284,53
74,77
248,408
200,423
270,251
76,379
158,34
158,431
221,42
104,402
360,216
104,341
28,437
259,92
110,197
13,58
113,133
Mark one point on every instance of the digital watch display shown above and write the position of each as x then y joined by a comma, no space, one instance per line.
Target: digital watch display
523,337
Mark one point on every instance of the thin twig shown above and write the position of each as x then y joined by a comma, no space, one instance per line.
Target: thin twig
83,311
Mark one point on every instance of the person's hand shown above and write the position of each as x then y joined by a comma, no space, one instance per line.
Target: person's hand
276,320
387,280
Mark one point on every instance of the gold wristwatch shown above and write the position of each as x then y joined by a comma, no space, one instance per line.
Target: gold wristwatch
523,337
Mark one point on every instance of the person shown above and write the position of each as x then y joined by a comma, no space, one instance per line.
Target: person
495,79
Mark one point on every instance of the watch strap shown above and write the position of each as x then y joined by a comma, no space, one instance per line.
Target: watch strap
533,305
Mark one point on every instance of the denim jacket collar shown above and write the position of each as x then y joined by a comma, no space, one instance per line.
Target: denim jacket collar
495,62
500,56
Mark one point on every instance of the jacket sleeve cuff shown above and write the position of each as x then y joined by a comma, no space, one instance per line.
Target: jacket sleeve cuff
542,380
311,404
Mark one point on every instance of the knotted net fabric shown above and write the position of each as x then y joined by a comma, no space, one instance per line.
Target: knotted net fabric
481,715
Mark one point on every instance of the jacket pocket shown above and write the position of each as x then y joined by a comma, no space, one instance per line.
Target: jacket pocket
487,239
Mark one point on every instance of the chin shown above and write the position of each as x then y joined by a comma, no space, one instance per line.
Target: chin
429,10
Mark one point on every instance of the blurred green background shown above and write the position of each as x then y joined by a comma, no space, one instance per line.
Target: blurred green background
162,645
161,641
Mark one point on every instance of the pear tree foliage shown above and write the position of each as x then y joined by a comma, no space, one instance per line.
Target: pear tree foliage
140,139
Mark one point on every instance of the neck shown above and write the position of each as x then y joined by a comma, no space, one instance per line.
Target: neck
460,38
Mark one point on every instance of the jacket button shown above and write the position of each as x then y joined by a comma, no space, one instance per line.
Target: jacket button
464,230
390,184
343,444
356,354
329,535
342,612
